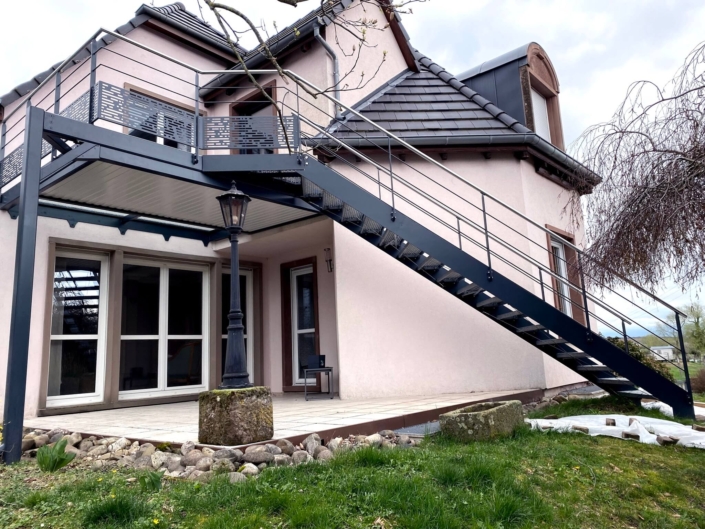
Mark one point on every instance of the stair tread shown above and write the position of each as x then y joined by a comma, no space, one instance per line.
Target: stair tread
510,315
530,328
576,354
613,380
593,368
551,341
638,393
489,302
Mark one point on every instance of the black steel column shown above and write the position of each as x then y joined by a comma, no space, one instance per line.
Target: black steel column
235,375
18,353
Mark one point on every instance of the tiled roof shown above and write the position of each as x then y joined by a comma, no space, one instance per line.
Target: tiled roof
177,14
429,103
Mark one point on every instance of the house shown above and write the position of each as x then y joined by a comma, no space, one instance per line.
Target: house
411,229
665,353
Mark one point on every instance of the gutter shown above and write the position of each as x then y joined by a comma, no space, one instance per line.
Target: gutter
336,64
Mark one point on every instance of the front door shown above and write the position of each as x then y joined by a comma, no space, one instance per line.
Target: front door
303,320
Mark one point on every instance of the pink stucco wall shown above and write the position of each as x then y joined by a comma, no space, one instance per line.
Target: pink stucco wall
398,334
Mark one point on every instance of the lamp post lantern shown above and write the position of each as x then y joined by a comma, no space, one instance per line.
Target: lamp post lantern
233,205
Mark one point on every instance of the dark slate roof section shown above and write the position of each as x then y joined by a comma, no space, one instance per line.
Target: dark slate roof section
178,17
299,30
430,103
519,53
433,108
174,14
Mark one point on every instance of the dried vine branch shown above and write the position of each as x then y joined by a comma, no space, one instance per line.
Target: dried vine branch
646,221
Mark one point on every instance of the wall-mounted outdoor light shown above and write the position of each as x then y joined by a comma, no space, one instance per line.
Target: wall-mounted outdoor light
329,259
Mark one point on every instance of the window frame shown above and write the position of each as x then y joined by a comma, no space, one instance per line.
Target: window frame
162,389
59,401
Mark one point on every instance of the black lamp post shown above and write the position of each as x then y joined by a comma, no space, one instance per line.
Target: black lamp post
233,205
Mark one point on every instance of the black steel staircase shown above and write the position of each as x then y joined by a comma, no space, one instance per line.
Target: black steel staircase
497,297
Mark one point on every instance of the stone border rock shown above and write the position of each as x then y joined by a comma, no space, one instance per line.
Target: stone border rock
201,464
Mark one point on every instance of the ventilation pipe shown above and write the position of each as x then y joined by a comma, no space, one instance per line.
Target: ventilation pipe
336,66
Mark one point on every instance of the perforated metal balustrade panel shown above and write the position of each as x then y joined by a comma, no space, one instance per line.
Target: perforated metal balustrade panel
139,112
250,132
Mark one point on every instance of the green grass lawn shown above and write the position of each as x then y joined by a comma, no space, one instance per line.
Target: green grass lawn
693,369
531,480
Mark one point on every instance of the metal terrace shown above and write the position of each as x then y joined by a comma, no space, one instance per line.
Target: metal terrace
96,149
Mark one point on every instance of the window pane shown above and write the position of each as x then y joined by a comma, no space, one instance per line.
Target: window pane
184,363
225,302
72,367
185,302
76,296
541,123
304,301
306,348
139,362
140,300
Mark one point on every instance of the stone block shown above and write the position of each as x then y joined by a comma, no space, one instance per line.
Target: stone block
235,416
483,421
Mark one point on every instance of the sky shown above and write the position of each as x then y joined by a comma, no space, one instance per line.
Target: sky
598,47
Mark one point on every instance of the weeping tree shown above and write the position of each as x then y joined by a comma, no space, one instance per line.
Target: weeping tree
236,25
646,221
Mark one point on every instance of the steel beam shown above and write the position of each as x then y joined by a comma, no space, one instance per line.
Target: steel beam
21,311
227,163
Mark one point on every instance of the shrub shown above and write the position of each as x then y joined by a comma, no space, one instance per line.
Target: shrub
53,458
697,383
645,357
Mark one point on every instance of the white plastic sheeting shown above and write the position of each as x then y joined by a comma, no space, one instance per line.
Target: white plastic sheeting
668,411
646,428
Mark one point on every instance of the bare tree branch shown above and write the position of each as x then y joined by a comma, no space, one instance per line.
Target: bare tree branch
646,221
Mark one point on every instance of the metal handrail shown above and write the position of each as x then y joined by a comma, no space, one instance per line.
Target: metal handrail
313,87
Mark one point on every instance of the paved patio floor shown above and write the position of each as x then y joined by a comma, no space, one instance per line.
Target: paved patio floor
293,416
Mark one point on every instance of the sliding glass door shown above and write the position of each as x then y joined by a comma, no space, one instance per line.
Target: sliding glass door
77,350
163,330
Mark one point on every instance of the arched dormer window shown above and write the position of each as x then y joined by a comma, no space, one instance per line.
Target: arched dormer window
540,89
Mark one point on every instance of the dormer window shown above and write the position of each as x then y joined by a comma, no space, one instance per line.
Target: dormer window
541,123
540,89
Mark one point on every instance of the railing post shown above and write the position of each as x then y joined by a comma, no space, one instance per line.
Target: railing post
21,308
585,299
626,339
487,239
543,292
391,178
57,102
684,356
460,236
91,107
196,118
3,134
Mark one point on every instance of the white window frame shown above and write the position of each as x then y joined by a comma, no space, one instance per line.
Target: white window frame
295,272
250,311
542,125
561,270
162,390
98,395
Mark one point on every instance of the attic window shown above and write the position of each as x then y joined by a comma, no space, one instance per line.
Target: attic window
541,124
